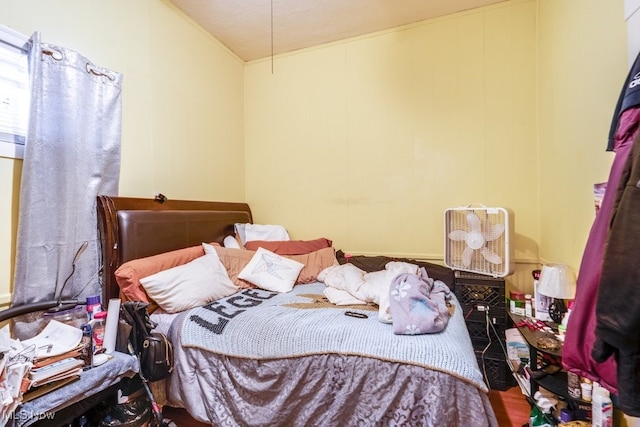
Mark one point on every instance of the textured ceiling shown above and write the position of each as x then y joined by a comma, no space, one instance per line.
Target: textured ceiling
245,26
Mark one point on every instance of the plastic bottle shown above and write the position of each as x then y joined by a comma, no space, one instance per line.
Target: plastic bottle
93,306
573,385
533,307
601,408
587,389
87,346
517,302
528,309
99,320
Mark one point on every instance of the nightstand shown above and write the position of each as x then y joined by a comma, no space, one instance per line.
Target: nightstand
60,406
555,382
482,299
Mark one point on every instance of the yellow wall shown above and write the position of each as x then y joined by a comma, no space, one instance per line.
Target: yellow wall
365,141
583,64
182,100
377,136
373,138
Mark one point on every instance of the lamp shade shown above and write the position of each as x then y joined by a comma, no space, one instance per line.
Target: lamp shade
557,281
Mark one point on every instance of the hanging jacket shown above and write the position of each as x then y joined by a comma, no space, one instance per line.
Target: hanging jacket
618,300
580,338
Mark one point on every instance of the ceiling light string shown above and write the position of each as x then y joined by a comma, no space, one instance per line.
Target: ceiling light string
271,36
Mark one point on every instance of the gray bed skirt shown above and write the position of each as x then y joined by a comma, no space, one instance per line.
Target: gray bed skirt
322,390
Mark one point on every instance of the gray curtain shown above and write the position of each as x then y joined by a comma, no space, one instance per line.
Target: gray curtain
72,154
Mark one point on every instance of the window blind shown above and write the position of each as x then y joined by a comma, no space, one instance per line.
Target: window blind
14,90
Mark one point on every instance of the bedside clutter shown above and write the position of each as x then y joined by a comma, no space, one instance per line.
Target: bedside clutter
93,386
540,369
50,366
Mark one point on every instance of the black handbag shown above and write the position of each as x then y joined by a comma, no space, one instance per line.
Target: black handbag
135,336
156,357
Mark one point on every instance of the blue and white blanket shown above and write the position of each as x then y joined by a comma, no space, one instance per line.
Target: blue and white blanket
259,324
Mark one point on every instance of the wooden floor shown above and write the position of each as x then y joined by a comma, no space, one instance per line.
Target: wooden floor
511,409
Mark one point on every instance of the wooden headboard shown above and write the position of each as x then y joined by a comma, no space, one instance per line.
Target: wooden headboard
131,228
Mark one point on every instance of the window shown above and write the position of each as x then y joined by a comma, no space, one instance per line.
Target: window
14,92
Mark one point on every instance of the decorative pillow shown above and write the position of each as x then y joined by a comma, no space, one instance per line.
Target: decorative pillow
271,271
235,260
231,242
128,275
193,284
290,247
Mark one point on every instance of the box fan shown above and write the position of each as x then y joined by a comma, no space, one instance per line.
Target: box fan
477,240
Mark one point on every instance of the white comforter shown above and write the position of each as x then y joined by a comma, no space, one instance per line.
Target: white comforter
348,285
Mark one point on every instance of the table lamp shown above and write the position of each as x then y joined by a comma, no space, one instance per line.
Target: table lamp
558,282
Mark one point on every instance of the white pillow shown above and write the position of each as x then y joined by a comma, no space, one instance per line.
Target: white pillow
209,249
231,242
271,271
247,232
193,284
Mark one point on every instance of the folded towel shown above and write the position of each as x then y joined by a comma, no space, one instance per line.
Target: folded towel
247,232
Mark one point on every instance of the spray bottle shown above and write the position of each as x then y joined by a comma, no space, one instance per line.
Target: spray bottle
601,407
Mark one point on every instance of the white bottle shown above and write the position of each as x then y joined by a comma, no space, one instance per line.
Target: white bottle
528,309
601,408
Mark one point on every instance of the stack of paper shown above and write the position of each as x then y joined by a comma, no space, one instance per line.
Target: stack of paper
39,362
56,338
55,371
57,349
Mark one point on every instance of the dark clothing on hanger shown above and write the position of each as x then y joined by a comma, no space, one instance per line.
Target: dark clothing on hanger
618,300
584,351
580,336
629,97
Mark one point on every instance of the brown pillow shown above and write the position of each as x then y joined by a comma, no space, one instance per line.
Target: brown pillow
314,263
128,275
236,259
289,247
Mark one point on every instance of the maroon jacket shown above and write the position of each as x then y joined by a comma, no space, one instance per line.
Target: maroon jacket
618,301
580,336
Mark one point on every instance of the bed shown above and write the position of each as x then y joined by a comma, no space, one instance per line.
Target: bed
259,357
